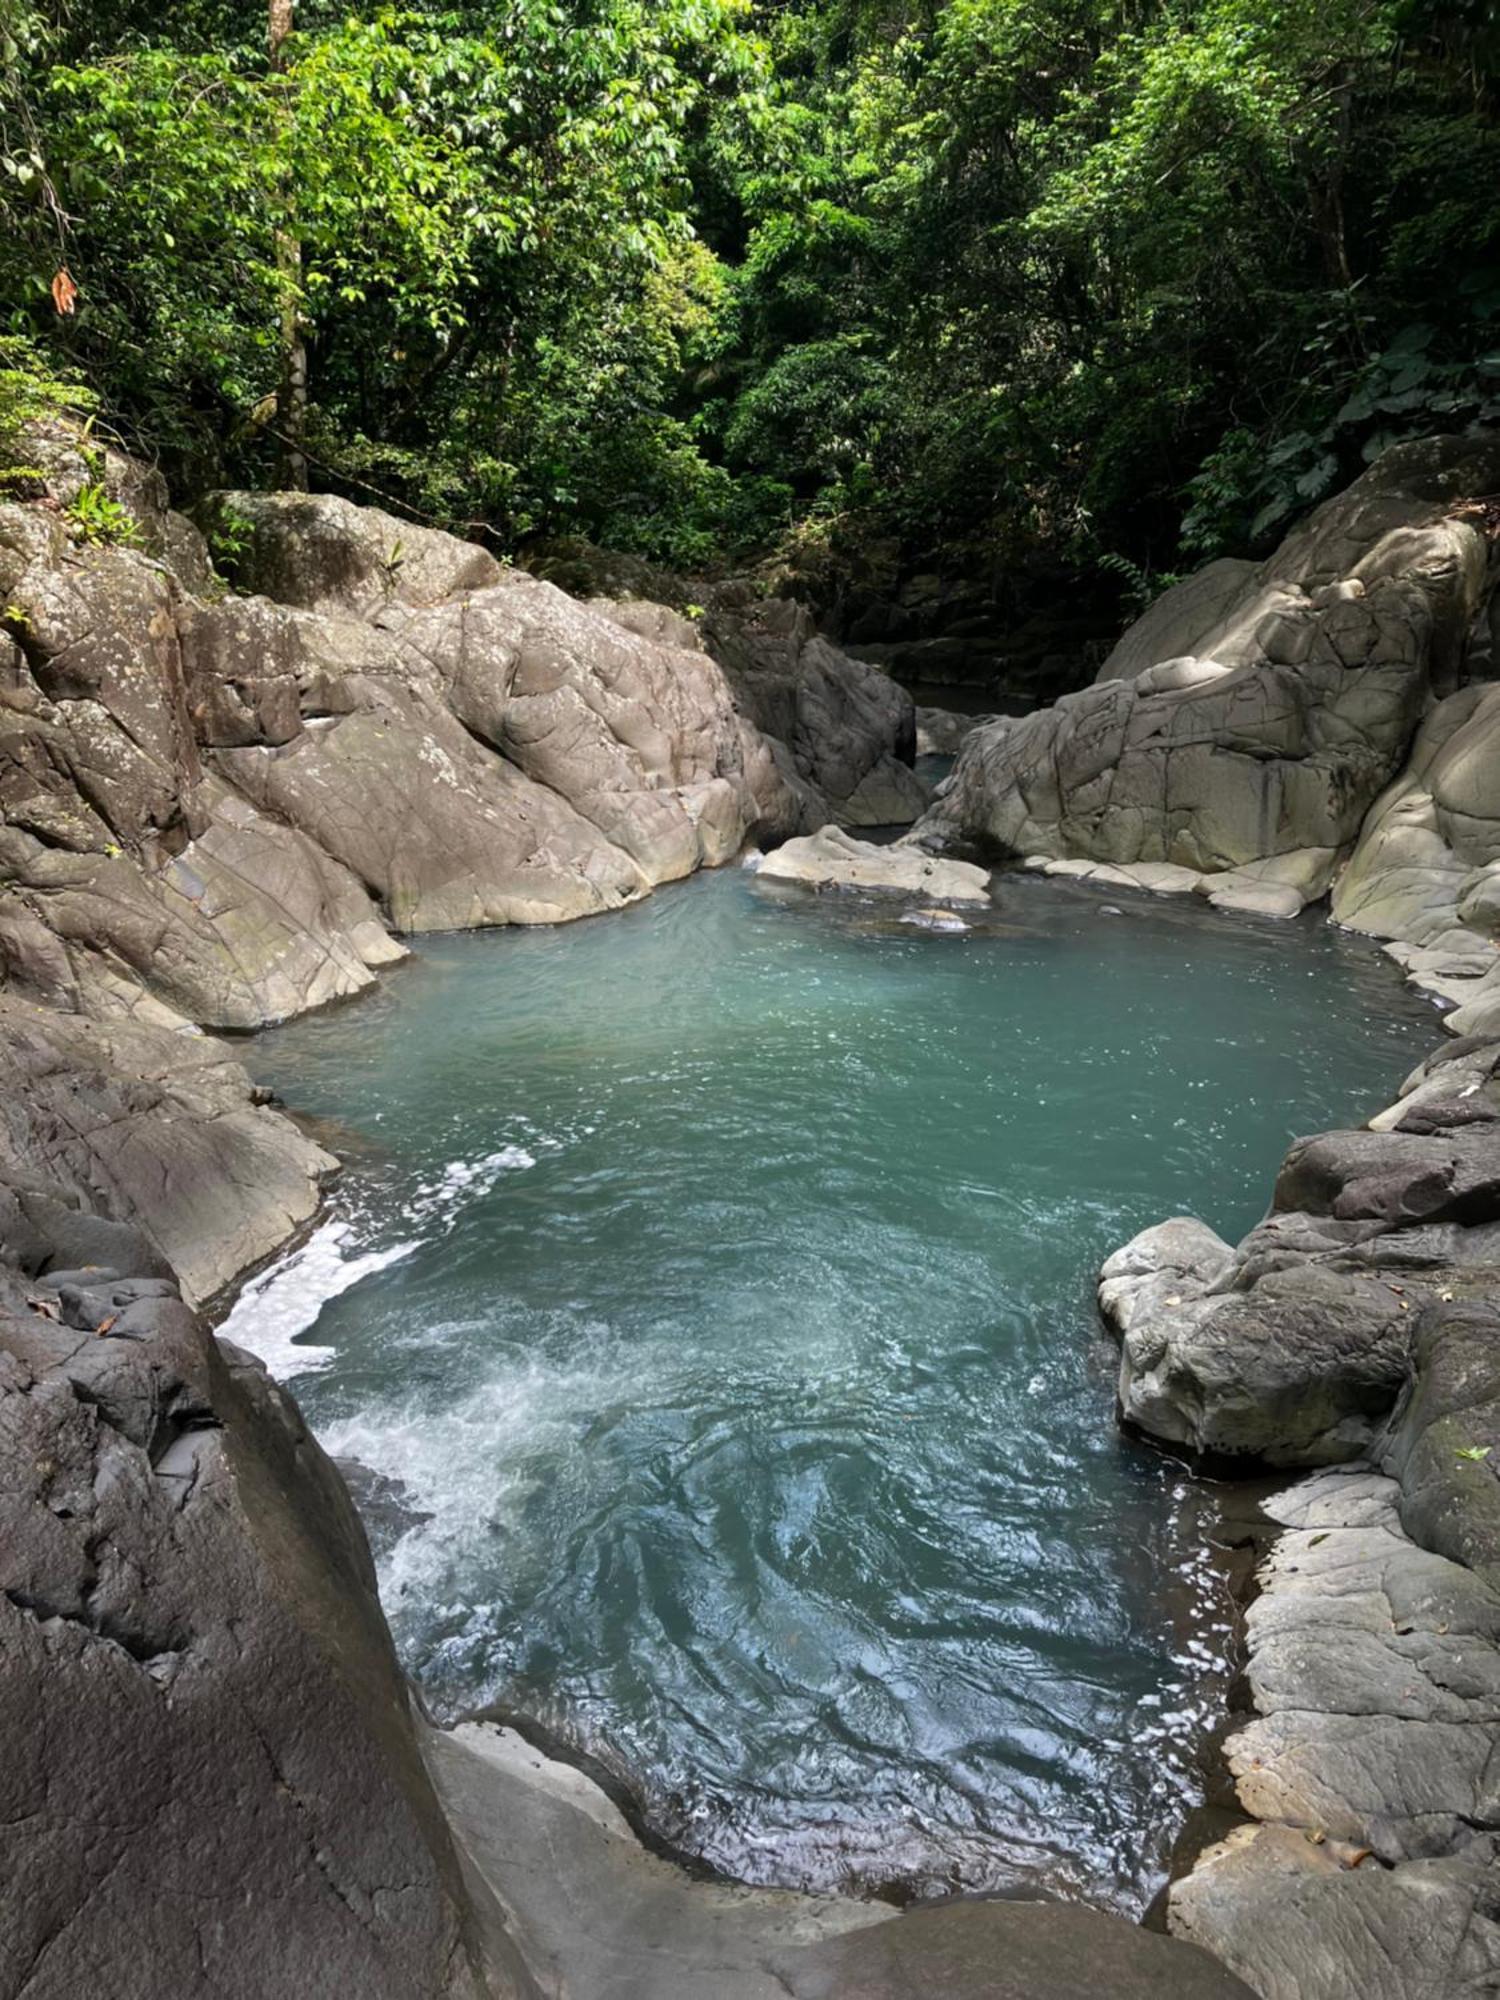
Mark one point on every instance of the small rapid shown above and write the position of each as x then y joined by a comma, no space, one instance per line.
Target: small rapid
716,1281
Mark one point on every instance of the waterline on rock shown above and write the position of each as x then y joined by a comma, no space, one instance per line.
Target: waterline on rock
277,1308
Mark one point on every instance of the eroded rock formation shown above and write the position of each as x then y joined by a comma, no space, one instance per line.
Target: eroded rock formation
222,804
1286,702
1360,1322
216,810
211,1785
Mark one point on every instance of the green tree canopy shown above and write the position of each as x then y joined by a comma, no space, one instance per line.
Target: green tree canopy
1041,277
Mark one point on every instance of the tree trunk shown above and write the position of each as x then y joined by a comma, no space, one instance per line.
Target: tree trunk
291,391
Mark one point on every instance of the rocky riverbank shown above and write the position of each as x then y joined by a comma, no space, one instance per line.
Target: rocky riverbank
1251,740
220,808
1266,734
1358,1327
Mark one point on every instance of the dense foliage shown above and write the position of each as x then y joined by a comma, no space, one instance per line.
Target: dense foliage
1071,277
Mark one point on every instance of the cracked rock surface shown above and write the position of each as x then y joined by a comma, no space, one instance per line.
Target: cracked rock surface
1359,1323
211,1785
223,805
125,1124
1255,711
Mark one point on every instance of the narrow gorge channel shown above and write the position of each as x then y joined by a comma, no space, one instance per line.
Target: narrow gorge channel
714,1283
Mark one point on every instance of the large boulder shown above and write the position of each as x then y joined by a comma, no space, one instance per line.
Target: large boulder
156,877
834,859
1294,1348
69,460
1444,1444
245,922
1289,1914
1426,871
320,553
145,1126
638,733
216,807
445,835
1175,626
1006,1951
850,729
211,1785
1279,729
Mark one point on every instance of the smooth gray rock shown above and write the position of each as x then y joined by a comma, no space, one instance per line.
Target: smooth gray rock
1445,1446
834,859
246,923
1159,1268
640,737
593,1912
1375,1675
1394,1178
1326,657
154,1129
599,1917
1300,1370
211,1784
1297,1924
1426,871
1177,622
445,835
941,731
1293,1349
321,553
850,729
1007,1951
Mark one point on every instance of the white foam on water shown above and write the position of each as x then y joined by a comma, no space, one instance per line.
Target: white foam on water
471,1465
275,1310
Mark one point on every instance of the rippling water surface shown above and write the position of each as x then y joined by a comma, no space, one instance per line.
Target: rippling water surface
717,1279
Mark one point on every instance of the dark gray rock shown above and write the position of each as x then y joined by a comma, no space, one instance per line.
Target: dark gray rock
1445,1447
211,1783
850,729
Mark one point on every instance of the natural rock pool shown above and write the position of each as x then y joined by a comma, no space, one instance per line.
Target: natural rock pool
717,1279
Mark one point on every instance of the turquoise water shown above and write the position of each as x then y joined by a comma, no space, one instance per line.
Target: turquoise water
717,1280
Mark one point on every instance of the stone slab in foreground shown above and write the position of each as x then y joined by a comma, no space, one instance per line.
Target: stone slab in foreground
600,1918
